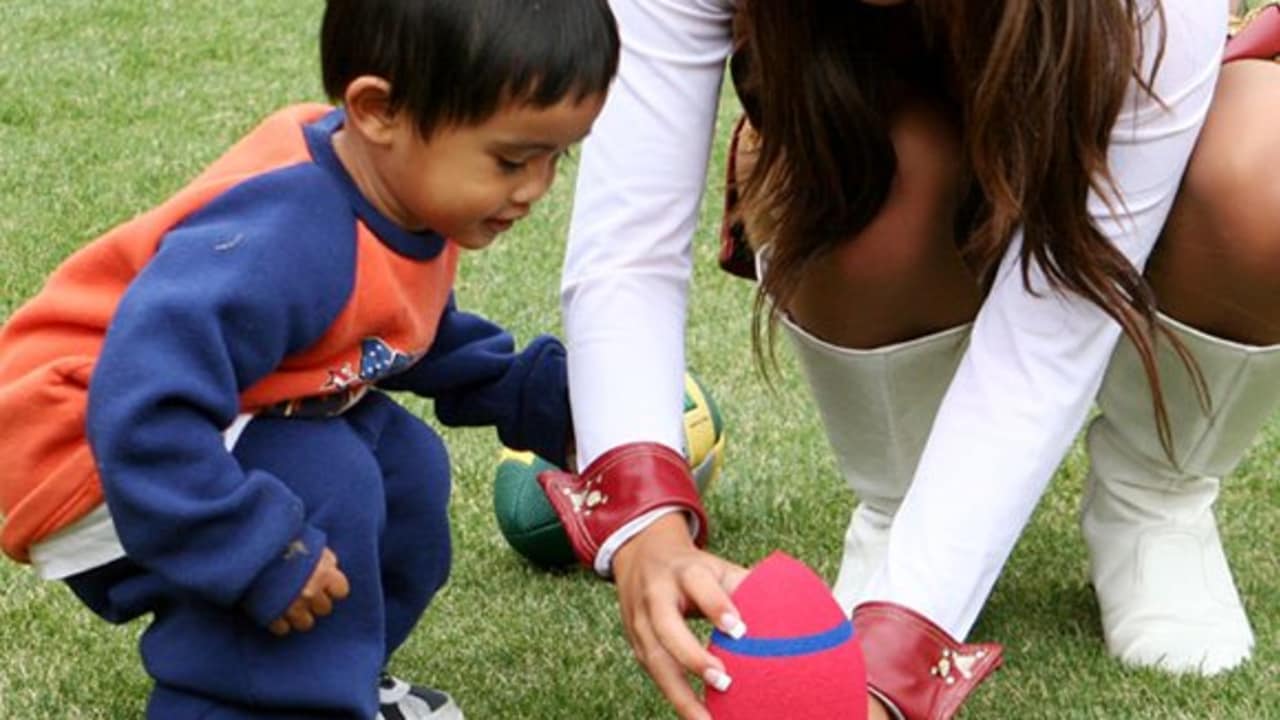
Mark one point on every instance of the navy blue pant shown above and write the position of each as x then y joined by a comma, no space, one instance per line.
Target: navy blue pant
376,480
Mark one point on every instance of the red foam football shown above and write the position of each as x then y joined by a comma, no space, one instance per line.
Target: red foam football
799,658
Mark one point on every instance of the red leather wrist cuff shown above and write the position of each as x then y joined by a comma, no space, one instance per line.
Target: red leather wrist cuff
621,485
914,667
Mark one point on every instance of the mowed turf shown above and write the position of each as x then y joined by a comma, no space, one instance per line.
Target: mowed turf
107,106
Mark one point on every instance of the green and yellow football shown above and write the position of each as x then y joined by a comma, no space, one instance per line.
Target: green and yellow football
524,514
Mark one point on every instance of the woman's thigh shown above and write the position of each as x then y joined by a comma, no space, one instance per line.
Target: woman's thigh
1217,266
902,276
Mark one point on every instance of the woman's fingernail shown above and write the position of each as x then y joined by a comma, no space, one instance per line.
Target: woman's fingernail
733,626
717,679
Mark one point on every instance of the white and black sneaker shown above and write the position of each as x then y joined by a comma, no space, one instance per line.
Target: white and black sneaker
398,700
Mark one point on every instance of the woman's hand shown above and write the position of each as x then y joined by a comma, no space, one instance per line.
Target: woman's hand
661,579
326,585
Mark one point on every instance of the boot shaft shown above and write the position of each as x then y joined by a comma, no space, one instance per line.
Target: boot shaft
877,406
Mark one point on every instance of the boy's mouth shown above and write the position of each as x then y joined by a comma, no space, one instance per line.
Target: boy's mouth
498,225
502,224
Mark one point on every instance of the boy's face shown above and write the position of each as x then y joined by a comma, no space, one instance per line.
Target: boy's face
472,182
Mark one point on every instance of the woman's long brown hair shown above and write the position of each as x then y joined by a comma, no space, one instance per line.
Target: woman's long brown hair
1037,86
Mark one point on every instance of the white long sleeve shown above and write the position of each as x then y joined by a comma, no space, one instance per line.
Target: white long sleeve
640,182
1034,364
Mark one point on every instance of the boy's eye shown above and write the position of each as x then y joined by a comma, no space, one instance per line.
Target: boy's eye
510,166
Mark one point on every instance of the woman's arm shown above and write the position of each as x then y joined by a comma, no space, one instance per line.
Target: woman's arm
640,183
624,295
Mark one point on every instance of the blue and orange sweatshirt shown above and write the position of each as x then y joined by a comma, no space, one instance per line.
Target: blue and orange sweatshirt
269,284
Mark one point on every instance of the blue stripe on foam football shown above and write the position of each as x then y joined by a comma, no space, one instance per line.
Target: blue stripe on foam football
785,647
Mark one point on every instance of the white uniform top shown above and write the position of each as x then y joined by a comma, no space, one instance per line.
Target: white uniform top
1033,364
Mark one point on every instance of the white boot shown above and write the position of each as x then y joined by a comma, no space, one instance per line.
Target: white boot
877,407
1163,585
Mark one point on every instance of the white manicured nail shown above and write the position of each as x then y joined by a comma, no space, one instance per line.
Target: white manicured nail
733,626
717,679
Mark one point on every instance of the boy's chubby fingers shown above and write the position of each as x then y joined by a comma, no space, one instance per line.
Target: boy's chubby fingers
330,578
300,617
337,586
279,627
326,584
320,604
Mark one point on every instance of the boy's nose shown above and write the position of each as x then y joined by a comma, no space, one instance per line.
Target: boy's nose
536,184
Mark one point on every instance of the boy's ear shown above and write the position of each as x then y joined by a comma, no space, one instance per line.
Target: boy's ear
368,105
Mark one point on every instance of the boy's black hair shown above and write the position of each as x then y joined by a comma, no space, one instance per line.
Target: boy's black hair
454,62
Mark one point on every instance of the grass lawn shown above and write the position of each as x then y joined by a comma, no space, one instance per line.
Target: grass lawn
110,105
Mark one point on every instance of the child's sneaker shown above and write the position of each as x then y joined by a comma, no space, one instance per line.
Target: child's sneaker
398,700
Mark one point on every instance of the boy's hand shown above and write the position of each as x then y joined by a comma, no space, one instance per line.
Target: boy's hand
326,584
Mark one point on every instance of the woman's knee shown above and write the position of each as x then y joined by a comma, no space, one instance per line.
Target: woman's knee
917,215
914,229
1217,266
903,272
1228,210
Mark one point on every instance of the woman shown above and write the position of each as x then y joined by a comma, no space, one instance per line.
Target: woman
954,223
